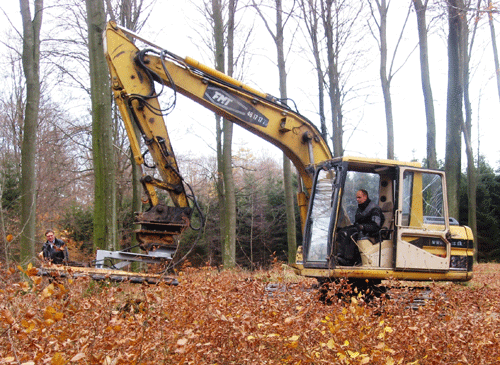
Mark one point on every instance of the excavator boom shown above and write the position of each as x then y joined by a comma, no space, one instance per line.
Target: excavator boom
133,74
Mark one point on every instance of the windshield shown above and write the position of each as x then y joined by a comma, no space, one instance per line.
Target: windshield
320,216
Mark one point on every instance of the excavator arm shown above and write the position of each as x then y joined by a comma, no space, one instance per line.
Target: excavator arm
133,74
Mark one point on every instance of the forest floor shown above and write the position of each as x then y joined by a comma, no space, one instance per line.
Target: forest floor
231,317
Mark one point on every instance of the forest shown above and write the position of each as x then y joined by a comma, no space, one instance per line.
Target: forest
66,160
416,80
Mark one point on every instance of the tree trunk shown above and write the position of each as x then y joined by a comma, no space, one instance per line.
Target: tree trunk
136,207
219,65
229,241
102,132
4,249
385,79
333,79
420,10
454,116
229,186
311,20
467,132
227,200
494,45
287,165
31,66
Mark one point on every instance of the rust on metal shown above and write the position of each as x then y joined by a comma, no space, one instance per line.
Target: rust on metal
160,225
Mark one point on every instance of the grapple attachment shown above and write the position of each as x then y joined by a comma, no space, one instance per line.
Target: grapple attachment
160,224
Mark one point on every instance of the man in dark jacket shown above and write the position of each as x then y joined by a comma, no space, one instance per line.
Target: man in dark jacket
368,222
54,249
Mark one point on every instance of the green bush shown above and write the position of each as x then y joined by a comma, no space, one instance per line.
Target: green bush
78,222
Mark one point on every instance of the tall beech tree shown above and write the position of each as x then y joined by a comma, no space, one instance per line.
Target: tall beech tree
224,129
311,15
102,131
454,114
386,70
31,67
278,38
425,74
490,9
472,178
229,237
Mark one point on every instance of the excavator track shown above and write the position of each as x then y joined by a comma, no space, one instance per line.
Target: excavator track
412,297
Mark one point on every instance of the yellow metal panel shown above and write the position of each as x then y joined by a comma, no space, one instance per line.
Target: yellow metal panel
416,217
382,274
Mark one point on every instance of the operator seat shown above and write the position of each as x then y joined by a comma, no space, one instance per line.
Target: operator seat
388,226
378,252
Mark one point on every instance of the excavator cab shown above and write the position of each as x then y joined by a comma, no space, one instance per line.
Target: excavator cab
418,241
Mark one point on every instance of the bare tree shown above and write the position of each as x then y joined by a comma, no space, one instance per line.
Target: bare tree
454,115
339,19
12,106
420,10
58,163
311,20
31,66
229,238
221,23
386,70
467,128
494,43
224,139
329,12
335,56
278,38
131,14
102,132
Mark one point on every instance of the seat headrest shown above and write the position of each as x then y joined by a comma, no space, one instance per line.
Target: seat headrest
387,207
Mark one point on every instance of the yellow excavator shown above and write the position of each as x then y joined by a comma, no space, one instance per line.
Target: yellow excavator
418,240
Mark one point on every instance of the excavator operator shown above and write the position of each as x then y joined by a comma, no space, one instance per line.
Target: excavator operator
369,219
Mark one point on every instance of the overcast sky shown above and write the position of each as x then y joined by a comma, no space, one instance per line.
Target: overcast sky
173,25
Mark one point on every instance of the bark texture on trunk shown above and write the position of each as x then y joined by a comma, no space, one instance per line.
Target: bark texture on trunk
385,80
102,132
420,10
454,115
494,46
31,67
291,229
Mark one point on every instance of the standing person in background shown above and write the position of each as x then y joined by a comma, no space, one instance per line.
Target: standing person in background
54,249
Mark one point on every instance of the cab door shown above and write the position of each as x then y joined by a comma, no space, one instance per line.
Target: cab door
321,219
422,221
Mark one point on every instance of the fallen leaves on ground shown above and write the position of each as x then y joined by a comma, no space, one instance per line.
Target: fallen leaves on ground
229,317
